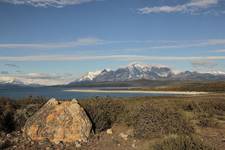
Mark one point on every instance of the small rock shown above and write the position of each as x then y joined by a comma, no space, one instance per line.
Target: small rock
8,135
14,147
57,142
77,144
109,131
61,145
32,142
124,136
48,148
133,145
223,140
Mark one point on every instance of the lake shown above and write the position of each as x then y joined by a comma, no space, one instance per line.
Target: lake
63,93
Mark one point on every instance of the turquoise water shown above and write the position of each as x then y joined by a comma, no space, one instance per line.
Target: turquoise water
58,92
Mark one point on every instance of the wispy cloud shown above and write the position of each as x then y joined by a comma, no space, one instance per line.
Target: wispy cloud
47,3
189,7
160,45
76,43
218,51
207,66
12,65
108,57
164,44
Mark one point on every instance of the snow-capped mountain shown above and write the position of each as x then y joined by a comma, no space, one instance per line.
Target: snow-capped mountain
90,76
148,72
130,72
8,80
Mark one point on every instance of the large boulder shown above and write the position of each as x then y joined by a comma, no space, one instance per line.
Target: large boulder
58,121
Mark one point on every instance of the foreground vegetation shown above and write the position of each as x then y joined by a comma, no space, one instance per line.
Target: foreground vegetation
159,123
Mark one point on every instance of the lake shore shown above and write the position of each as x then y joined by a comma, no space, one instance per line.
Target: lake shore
136,91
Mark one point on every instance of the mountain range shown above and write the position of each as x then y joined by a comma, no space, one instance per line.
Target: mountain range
134,72
146,72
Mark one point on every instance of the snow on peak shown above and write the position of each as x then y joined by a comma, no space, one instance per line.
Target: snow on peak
90,75
10,80
216,72
142,66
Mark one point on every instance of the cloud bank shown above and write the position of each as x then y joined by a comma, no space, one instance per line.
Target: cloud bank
191,7
47,3
37,78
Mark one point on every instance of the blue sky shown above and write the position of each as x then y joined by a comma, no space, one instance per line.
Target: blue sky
67,38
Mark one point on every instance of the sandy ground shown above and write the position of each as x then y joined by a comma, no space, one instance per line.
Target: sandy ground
135,91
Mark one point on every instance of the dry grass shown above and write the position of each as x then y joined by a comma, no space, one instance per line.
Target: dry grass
149,117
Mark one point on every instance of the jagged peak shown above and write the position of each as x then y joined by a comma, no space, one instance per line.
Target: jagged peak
140,65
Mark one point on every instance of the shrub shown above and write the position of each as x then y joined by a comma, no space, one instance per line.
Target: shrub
153,121
206,121
5,144
211,107
7,110
102,112
182,142
7,124
13,114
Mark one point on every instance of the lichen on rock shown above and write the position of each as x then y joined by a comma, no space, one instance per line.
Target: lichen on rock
57,121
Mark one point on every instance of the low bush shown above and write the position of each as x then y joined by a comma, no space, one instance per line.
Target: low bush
5,144
182,142
211,107
7,110
206,121
153,121
13,114
103,112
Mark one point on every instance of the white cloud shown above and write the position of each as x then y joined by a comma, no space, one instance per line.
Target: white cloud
107,57
76,43
37,78
192,6
47,3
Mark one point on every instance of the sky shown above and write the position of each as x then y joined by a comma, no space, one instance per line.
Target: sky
57,41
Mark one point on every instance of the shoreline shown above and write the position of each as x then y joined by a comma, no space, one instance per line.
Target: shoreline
136,92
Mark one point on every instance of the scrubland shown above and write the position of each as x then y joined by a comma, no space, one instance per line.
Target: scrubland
158,123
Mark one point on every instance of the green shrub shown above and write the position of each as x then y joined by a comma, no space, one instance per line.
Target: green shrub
153,121
102,112
182,142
